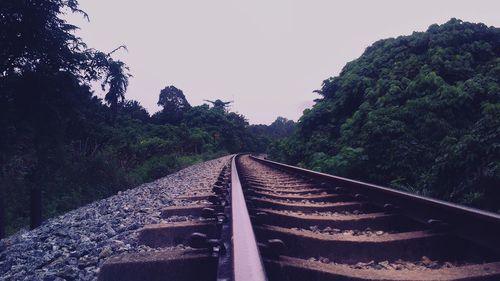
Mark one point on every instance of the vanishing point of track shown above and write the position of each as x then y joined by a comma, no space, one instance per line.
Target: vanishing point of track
264,220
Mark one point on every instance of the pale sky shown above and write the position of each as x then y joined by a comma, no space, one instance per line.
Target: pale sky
265,55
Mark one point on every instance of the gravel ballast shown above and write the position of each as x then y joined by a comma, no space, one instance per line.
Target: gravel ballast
73,246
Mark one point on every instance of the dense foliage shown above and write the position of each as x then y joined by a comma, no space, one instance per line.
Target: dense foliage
61,146
419,113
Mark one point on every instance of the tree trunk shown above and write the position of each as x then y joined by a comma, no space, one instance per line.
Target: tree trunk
3,194
2,213
35,207
37,183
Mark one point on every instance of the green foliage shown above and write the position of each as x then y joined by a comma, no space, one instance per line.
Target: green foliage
264,135
155,167
45,73
417,112
61,146
174,105
219,104
117,79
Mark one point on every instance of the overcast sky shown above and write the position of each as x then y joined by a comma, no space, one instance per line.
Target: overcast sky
265,55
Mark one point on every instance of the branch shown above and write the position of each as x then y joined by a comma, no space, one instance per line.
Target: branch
121,47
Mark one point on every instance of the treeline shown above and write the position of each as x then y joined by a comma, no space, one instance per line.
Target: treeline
419,113
61,146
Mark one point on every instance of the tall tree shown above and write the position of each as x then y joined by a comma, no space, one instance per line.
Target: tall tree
220,105
43,67
116,80
174,105
2,211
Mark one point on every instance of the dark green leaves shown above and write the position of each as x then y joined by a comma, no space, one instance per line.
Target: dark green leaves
416,112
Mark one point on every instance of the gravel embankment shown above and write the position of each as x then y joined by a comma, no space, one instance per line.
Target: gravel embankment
73,246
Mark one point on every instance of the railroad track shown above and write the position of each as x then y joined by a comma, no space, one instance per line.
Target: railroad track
268,221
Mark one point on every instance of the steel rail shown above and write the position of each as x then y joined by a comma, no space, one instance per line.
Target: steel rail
225,265
480,226
247,262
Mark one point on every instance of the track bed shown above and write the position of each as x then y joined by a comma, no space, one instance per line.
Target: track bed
294,224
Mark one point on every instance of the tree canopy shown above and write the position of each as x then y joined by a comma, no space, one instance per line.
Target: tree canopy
418,112
174,105
219,104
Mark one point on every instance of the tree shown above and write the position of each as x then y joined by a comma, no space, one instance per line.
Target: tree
134,110
219,104
281,127
44,70
33,36
117,80
413,112
2,212
174,105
